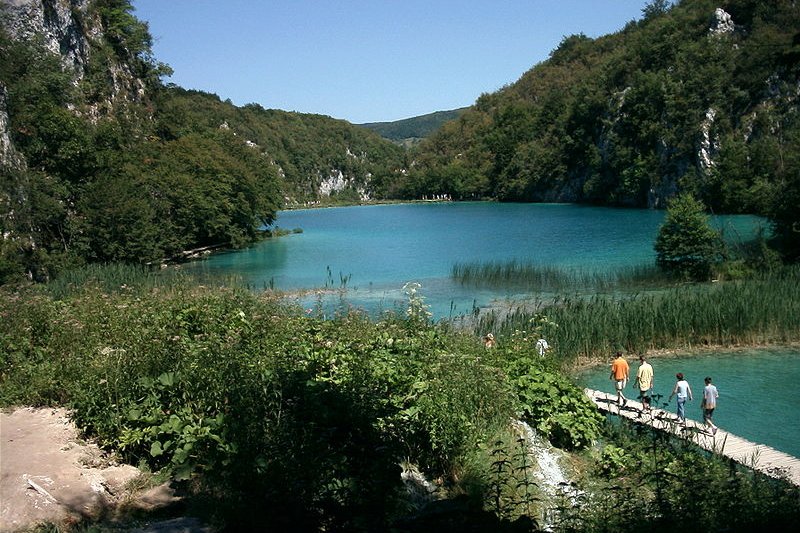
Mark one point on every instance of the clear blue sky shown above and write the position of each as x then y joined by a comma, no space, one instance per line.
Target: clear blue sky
366,60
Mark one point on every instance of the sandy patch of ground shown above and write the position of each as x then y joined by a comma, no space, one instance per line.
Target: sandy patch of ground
48,474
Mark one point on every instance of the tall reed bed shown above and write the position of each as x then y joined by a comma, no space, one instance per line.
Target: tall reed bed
756,311
547,278
116,277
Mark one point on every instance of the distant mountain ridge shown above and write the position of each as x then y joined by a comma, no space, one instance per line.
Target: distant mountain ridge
410,131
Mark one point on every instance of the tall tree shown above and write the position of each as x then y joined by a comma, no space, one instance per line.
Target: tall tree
686,244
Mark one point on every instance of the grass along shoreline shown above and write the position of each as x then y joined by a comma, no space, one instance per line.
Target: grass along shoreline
552,279
758,311
583,364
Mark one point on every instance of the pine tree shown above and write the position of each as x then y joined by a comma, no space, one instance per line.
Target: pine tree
686,244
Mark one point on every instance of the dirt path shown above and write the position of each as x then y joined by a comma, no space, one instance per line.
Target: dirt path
48,474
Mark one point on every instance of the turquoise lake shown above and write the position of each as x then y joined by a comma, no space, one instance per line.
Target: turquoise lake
380,248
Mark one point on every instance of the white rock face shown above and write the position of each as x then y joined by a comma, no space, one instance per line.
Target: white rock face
9,157
335,182
55,21
722,23
708,146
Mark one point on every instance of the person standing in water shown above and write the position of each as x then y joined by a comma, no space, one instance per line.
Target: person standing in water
619,373
710,395
645,380
683,391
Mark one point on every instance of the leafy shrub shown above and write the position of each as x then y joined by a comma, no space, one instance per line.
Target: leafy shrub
554,405
613,461
249,397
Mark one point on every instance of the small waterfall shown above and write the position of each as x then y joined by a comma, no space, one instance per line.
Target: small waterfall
549,474
545,470
420,491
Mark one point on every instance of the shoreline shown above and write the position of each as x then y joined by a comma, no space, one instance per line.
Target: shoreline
581,365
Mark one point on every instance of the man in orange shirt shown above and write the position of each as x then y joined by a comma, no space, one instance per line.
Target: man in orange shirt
619,373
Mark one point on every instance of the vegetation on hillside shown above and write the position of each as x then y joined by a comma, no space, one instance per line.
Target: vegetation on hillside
631,118
306,150
144,173
411,131
664,105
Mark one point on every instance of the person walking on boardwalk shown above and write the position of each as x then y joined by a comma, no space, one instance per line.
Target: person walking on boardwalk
619,373
710,396
645,380
683,391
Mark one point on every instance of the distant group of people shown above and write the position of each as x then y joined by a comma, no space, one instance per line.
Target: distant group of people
541,347
437,198
681,390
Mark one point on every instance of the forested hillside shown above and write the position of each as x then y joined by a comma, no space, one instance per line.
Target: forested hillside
103,162
315,155
701,96
410,131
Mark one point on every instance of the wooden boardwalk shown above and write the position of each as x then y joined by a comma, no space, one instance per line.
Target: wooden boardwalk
756,456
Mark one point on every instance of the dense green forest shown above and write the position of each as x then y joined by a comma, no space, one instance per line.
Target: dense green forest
306,150
681,100
106,163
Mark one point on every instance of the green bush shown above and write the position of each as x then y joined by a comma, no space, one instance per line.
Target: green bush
656,481
246,396
686,244
554,405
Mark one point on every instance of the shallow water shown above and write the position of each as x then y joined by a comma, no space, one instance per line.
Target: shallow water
757,394
380,248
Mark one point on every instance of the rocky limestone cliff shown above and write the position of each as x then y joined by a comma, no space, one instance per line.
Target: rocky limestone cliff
721,23
721,26
70,30
9,157
57,22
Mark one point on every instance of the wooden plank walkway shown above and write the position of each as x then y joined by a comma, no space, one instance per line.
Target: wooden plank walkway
756,456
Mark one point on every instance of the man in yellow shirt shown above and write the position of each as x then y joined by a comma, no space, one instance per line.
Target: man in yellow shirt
644,378
619,373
